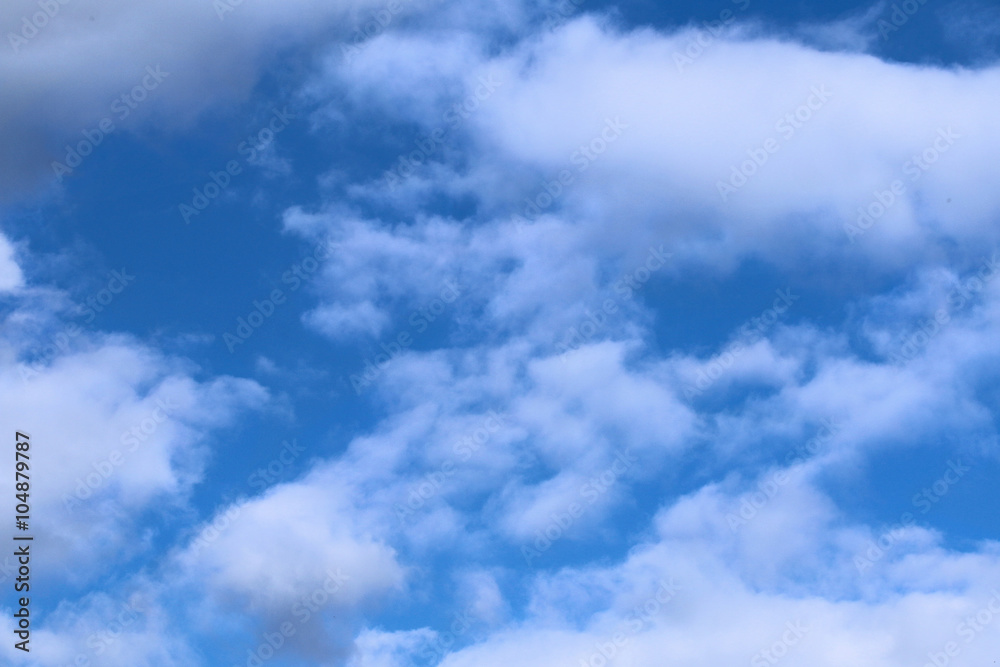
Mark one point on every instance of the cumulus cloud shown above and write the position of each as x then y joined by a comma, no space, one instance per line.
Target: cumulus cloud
73,64
133,433
320,540
684,167
597,168
680,595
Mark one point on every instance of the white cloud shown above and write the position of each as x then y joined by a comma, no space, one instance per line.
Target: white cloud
678,595
481,596
683,131
566,418
130,434
320,537
105,629
377,648
10,273
69,72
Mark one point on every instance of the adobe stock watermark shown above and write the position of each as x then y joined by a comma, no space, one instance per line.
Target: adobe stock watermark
419,321
260,478
749,333
915,167
773,654
930,496
560,14
706,35
958,298
90,308
270,473
590,492
380,20
131,440
786,126
900,16
606,652
626,287
31,26
432,483
582,158
408,163
248,149
970,628
925,501
879,547
304,609
122,107
828,428
436,649
99,642
262,309
753,502
211,531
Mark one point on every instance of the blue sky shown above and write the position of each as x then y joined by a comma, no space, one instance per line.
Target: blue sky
392,334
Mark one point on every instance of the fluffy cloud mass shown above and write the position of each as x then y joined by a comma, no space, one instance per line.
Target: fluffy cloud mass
634,341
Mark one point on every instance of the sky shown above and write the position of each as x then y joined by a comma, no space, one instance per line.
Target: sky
406,333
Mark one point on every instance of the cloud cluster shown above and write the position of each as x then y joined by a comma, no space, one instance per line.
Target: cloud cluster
762,147
75,64
546,473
